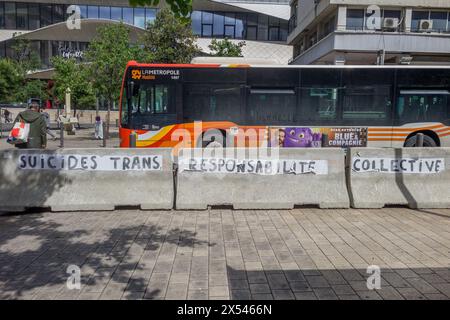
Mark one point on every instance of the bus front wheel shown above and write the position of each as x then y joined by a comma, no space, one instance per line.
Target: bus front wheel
427,141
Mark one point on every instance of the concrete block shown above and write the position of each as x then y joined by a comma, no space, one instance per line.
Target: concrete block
86,179
242,186
416,177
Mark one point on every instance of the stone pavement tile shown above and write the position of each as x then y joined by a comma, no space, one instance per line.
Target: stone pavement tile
333,277
349,297
369,295
218,279
389,293
395,280
96,284
89,295
240,295
351,275
406,273
358,285
262,296
176,292
218,291
283,295
132,295
238,284
197,295
179,278
294,275
156,289
422,286
305,296
444,288
257,288
432,278
298,286
278,282
411,294
436,296
237,274
317,281
325,294
343,289
198,284
219,297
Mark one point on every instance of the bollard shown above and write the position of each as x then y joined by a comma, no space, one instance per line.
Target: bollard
133,140
104,135
419,140
61,135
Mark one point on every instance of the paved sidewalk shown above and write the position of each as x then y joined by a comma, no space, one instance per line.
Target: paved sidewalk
224,254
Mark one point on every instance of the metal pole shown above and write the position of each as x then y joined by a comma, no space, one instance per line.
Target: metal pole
61,135
1,125
133,140
419,140
104,135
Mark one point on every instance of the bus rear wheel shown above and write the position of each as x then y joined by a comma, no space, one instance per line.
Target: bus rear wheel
427,141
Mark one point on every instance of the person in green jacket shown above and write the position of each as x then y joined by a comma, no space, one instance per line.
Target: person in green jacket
37,138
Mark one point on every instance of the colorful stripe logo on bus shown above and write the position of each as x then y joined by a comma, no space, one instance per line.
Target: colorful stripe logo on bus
401,133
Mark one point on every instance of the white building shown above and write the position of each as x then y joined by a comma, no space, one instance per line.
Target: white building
370,31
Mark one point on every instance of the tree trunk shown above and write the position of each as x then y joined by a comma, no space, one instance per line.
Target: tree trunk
108,116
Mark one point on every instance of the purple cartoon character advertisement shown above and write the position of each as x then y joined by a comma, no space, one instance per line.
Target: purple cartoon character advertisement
296,137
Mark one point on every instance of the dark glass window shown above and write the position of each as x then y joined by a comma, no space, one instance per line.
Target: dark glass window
2,49
58,13
150,15
92,12
392,14
196,22
273,33
218,28
416,17
283,30
139,17
207,17
230,18
271,106
10,15
33,16
240,25
439,21
83,12
252,19
105,13
355,19
22,16
251,32
263,22
229,32
212,102
2,17
423,106
128,15
46,15
116,13
207,30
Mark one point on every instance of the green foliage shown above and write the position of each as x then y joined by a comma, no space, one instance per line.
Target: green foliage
226,48
70,74
26,58
107,57
169,39
180,8
10,80
32,89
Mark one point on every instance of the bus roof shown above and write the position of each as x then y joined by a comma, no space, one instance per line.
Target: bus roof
216,65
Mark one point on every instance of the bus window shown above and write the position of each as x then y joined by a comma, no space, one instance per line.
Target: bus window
423,106
160,99
271,107
212,102
318,104
367,103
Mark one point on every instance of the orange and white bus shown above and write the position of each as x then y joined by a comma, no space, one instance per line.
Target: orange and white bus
305,106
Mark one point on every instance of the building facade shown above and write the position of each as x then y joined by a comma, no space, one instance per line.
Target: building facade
262,24
370,32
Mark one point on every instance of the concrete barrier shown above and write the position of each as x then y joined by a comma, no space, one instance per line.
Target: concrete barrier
86,179
417,177
301,177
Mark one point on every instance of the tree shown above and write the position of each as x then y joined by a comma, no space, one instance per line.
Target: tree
26,58
226,48
10,80
169,40
73,75
31,88
107,57
180,8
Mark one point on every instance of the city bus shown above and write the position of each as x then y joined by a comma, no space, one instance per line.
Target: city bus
287,106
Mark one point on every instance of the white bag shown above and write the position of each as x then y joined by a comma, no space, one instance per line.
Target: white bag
19,133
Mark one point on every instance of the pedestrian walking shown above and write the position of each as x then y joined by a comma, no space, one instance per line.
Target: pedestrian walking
47,124
37,137
7,116
98,128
